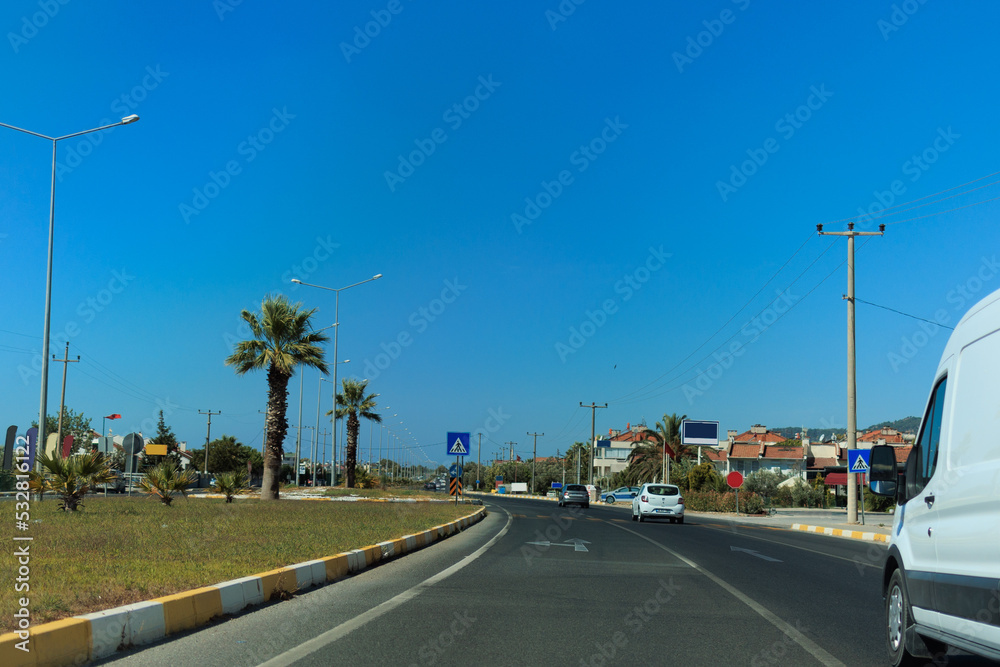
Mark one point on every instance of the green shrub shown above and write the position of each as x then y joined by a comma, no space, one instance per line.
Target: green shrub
875,503
702,477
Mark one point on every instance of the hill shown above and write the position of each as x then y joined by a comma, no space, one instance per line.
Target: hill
905,425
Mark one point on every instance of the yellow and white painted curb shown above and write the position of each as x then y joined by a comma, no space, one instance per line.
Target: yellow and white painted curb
840,532
77,640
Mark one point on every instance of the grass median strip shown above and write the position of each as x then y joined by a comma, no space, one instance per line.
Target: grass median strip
122,550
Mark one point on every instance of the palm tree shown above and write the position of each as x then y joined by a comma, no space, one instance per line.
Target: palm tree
231,484
165,480
71,478
668,432
283,338
352,404
644,462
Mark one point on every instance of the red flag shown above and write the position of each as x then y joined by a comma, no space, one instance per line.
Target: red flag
114,416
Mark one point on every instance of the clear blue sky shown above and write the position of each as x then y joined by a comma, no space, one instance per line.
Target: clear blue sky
277,140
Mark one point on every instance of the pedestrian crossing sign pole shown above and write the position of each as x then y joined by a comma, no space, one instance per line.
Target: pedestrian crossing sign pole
858,462
458,446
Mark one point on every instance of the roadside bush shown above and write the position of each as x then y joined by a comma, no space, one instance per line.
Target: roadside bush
764,482
782,497
875,503
804,495
702,477
714,501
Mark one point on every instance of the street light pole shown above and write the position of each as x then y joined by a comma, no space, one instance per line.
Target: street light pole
336,355
48,269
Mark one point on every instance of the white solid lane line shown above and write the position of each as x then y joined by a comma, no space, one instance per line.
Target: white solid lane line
795,635
293,655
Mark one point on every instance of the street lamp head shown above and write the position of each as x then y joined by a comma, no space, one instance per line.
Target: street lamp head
376,276
296,280
130,119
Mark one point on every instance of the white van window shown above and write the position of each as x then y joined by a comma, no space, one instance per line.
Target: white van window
930,436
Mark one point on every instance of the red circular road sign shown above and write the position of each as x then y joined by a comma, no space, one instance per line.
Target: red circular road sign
735,479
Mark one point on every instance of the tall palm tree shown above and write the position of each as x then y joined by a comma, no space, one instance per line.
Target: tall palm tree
644,462
283,338
668,432
353,403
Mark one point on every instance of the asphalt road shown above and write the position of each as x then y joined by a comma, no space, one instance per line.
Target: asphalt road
535,584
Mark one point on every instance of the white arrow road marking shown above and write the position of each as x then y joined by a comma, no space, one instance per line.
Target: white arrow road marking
754,553
576,543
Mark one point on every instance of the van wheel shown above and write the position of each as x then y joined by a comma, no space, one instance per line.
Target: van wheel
634,517
897,619
680,519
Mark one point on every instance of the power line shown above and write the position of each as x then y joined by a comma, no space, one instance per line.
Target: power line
902,313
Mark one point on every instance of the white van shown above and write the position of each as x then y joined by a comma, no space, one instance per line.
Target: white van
941,580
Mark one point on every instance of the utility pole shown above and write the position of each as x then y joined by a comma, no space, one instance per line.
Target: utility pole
62,398
263,446
593,413
534,455
514,465
298,436
208,436
479,461
852,387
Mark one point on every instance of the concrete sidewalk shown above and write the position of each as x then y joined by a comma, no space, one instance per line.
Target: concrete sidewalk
877,526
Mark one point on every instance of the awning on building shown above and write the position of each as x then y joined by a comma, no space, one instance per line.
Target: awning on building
840,479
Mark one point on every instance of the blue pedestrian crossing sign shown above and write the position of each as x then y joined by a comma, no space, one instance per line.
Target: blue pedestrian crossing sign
857,460
458,444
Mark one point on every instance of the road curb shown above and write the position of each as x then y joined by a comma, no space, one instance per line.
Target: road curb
80,639
839,532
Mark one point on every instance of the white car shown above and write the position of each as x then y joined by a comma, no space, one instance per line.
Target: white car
942,572
658,500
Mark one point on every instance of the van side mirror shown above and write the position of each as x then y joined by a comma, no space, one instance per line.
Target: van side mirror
883,471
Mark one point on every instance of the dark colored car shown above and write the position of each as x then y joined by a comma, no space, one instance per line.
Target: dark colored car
574,494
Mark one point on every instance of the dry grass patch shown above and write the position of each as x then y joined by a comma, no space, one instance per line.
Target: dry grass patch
122,550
